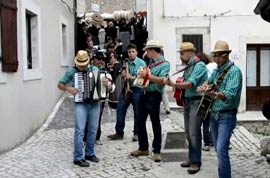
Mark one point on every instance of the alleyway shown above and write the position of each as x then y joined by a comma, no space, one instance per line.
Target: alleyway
48,153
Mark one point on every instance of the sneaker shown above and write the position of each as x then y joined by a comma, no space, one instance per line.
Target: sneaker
139,153
98,142
135,138
193,169
116,136
81,163
157,157
185,164
206,148
92,158
168,111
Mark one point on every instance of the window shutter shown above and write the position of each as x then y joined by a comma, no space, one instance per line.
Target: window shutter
9,35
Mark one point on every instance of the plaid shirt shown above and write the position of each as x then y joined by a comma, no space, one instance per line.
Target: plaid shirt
161,70
197,75
231,87
68,78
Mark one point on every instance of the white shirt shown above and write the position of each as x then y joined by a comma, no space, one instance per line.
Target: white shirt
210,68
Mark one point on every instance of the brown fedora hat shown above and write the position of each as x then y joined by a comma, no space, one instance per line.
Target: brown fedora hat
187,46
221,46
82,58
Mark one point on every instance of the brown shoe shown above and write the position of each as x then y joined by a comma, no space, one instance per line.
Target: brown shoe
157,157
185,164
139,153
116,136
193,169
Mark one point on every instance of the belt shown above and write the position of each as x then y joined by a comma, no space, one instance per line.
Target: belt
228,110
193,98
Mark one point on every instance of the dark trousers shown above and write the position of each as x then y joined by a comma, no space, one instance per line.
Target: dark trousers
102,105
207,137
150,104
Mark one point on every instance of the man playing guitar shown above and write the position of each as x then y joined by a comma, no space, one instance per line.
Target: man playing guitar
194,76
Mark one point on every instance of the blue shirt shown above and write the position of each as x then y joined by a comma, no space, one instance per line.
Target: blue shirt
133,67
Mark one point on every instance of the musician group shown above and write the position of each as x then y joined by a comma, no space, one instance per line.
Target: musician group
145,80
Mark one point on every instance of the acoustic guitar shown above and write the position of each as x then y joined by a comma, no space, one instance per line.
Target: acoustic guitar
179,93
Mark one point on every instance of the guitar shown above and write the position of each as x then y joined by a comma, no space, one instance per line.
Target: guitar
206,101
179,93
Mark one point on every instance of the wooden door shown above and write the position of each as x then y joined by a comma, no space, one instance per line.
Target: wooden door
258,75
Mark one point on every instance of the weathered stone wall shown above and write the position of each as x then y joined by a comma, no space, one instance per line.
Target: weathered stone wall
107,6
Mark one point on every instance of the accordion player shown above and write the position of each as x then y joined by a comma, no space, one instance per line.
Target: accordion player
90,85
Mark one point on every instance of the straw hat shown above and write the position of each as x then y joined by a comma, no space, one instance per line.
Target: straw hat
96,19
82,58
153,44
187,46
221,46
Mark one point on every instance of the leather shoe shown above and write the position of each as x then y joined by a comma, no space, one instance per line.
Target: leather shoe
185,164
92,158
116,136
193,169
81,163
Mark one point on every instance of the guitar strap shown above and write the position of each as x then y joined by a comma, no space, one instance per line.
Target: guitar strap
222,76
196,60
206,101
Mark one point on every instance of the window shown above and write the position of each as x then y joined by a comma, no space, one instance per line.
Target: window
31,39
197,40
64,42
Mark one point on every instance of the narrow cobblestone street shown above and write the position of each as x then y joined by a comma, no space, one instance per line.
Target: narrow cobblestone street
48,153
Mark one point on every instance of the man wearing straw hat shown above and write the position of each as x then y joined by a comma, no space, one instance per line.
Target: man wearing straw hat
226,98
194,76
150,100
85,112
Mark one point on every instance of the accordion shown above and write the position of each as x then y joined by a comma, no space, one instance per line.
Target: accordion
90,86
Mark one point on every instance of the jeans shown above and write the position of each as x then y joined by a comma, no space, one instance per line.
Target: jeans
222,125
193,122
150,104
122,111
85,113
207,137
102,105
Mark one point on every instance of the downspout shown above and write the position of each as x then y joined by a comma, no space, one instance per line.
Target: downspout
75,26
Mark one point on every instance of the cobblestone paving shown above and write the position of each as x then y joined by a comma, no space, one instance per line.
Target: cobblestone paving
48,153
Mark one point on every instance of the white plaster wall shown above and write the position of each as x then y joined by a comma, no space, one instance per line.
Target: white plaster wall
141,5
238,27
25,104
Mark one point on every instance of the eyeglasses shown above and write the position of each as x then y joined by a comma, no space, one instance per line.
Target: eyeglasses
219,55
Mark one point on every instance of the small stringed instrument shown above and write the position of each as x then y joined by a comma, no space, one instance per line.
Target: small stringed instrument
179,93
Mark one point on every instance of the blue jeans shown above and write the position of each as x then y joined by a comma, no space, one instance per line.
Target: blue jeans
222,125
85,113
193,122
122,111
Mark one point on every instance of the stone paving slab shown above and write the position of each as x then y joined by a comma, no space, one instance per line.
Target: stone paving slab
48,154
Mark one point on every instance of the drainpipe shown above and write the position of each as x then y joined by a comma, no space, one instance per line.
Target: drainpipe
75,25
